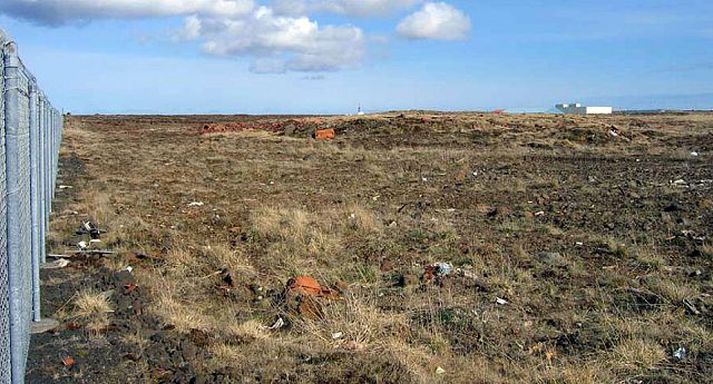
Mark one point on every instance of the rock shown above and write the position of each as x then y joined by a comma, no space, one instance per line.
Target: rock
406,280
553,259
673,207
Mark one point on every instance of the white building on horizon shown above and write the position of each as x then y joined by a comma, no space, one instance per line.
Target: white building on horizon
579,109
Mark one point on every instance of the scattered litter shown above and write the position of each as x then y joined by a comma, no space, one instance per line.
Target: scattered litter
337,335
475,173
279,323
129,269
68,361
88,228
437,271
94,241
424,179
73,326
82,244
500,301
306,285
692,308
65,187
302,294
579,243
440,371
57,256
614,132
694,154
196,204
57,264
680,354
130,288
96,252
467,273
540,213
679,182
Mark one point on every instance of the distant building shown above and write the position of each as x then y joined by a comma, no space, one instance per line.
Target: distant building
579,109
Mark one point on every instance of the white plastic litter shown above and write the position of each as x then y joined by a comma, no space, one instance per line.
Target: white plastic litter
680,354
57,264
196,204
279,323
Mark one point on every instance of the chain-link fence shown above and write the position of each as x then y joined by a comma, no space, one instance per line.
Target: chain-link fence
30,134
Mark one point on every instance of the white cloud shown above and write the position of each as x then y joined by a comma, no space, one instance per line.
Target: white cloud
279,43
346,7
436,21
277,38
62,11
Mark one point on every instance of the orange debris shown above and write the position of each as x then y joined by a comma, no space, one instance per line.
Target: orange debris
304,285
325,134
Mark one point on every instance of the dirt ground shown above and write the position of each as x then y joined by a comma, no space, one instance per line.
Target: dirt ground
452,248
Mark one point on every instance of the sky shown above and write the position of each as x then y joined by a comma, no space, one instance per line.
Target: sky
330,56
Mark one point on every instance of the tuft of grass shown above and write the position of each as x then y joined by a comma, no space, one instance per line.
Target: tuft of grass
638,355
94,308
362,219
361,323
90,303
252,329
674,291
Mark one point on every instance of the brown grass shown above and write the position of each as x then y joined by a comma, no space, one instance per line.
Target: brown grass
357,215
94,308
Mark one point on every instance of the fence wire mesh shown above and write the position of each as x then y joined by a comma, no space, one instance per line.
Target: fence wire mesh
4,284
30,135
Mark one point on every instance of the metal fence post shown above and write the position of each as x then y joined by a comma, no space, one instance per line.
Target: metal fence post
42,184
45,162
19,243
35,189
4,283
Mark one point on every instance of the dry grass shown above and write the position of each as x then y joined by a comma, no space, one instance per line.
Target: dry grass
365,214
637,356
89,304
173,304
94,308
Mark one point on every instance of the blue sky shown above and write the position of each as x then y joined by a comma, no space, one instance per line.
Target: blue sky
327,56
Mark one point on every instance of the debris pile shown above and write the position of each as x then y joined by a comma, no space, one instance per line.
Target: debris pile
303,295
324,134
288,127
